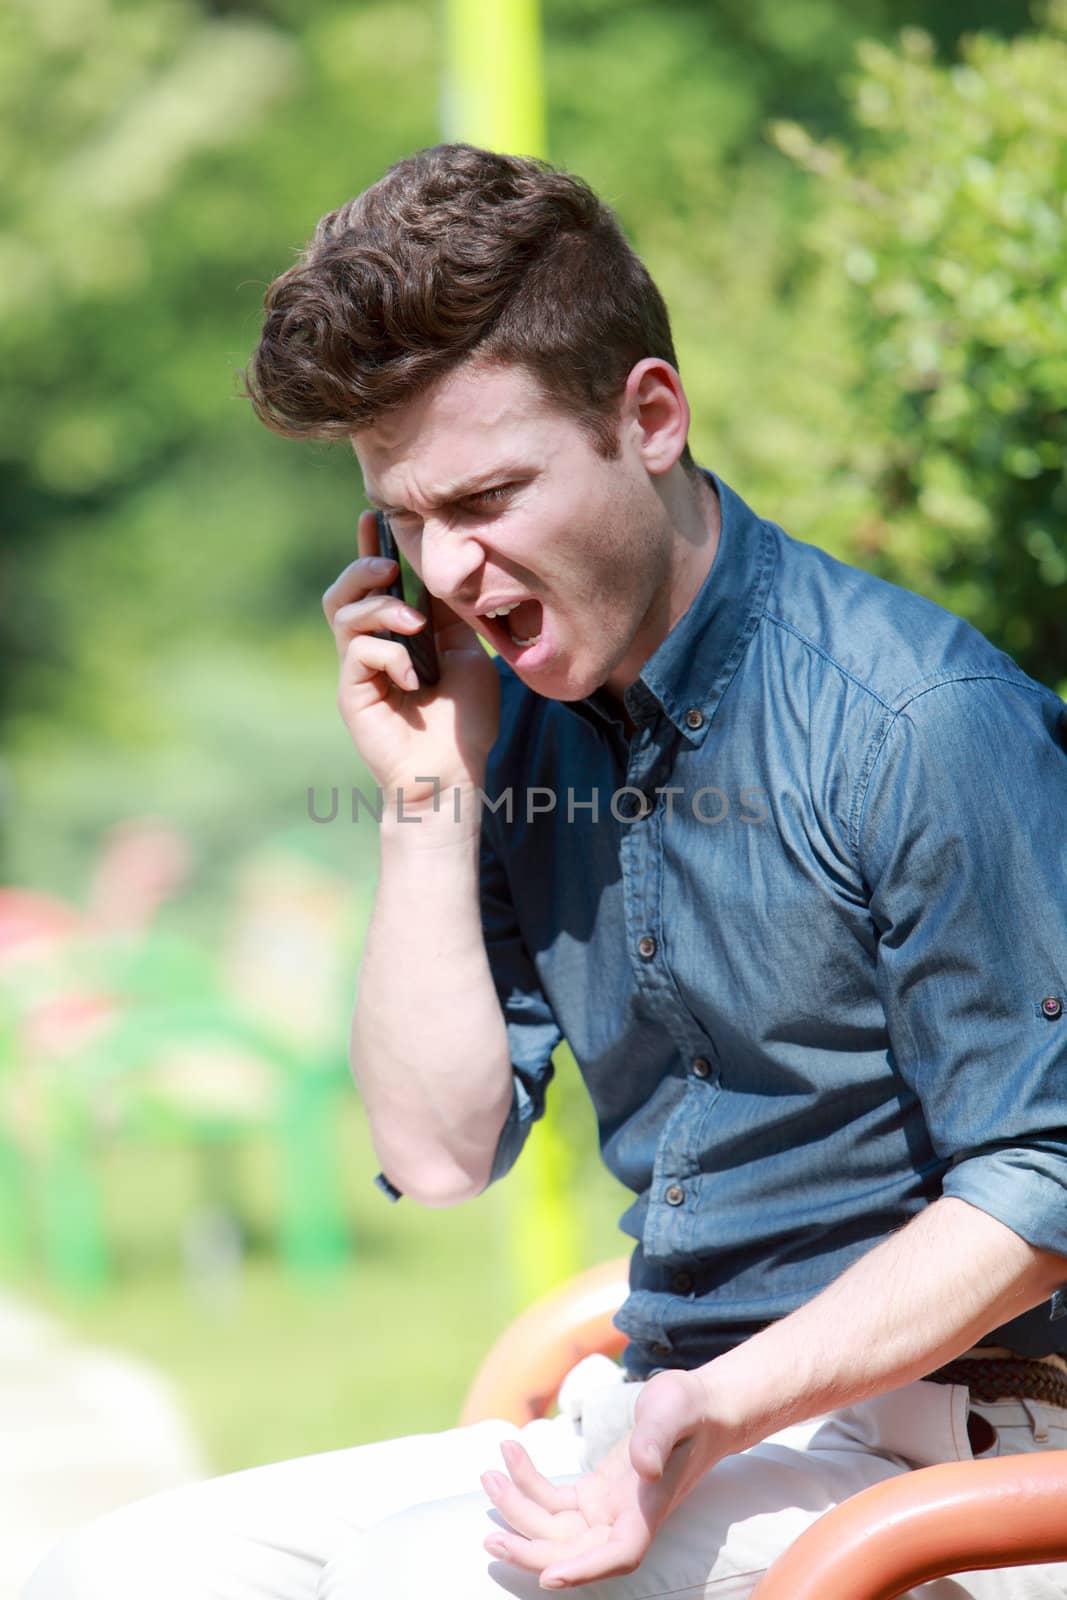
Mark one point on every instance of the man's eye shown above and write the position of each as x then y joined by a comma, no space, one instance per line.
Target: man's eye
492,496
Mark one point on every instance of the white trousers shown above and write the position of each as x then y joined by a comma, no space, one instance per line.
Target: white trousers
405,1520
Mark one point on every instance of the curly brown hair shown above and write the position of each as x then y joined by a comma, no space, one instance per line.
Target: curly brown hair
457,250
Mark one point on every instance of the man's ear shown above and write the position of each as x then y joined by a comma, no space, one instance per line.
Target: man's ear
655,413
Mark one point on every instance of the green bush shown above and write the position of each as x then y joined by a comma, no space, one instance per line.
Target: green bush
947,222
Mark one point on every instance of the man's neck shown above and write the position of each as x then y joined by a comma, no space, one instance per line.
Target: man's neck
700,547
697,523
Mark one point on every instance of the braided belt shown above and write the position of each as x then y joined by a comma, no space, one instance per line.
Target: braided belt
1000,1379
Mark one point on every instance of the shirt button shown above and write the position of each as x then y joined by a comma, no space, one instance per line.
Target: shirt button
1052,1007
661,1349
683,1282
701,1067
674,1195
694,717
634,807
646,947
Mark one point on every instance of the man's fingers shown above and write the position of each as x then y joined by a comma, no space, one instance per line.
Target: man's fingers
359,578
367,534
533,1484
376,611
611,1560
369,654
523,1514
535,1555
622,1549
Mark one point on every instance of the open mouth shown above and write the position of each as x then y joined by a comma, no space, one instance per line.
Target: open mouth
519,624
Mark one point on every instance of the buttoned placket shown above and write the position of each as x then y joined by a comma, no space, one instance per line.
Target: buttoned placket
671,1219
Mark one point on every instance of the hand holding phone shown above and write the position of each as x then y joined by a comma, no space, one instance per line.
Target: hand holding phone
400,730
409,587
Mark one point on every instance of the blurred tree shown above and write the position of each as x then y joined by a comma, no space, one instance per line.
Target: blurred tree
948,224
741,60
102,109
161,161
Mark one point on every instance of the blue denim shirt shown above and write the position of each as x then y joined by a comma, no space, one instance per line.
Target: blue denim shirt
805,932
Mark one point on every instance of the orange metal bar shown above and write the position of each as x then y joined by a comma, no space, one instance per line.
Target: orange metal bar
1008,1512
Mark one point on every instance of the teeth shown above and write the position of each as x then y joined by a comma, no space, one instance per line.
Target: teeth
522,643
503,611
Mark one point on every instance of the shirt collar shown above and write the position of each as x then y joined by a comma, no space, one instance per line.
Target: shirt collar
688,674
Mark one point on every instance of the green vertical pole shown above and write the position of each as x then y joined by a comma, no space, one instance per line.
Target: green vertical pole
72,1212
314,1238
494,89
494,97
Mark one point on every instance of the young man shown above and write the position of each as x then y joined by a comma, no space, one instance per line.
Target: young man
777,847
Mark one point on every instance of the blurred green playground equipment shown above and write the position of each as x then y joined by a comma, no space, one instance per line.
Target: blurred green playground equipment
139,1035
113,1028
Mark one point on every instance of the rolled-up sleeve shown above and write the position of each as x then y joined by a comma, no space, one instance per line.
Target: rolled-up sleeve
961,832
533,1032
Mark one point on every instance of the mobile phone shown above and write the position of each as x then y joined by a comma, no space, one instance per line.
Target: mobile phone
409,587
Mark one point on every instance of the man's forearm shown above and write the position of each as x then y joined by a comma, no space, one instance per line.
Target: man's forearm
914,1302
429,1044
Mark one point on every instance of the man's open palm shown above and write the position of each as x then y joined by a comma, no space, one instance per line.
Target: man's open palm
601,1526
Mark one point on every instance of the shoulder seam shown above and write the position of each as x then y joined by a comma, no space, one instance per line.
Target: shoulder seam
940,680
788,627
878,741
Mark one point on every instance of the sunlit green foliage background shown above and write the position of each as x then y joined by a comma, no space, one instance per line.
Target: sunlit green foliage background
863,250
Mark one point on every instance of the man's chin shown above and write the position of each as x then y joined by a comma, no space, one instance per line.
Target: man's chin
561,683
556,673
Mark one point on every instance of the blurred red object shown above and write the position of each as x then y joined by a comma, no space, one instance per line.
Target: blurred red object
33,921
142,861
43,939
39,940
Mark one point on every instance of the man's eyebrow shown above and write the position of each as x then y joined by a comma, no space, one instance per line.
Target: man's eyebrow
453,492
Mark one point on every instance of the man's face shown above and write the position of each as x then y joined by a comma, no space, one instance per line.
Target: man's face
495,498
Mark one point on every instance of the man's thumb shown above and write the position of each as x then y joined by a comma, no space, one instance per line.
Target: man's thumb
662,1416
647,1453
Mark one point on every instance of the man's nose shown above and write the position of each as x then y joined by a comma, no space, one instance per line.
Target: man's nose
450,557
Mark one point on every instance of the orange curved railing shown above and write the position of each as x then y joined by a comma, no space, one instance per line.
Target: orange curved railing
520,1377
1009,1512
